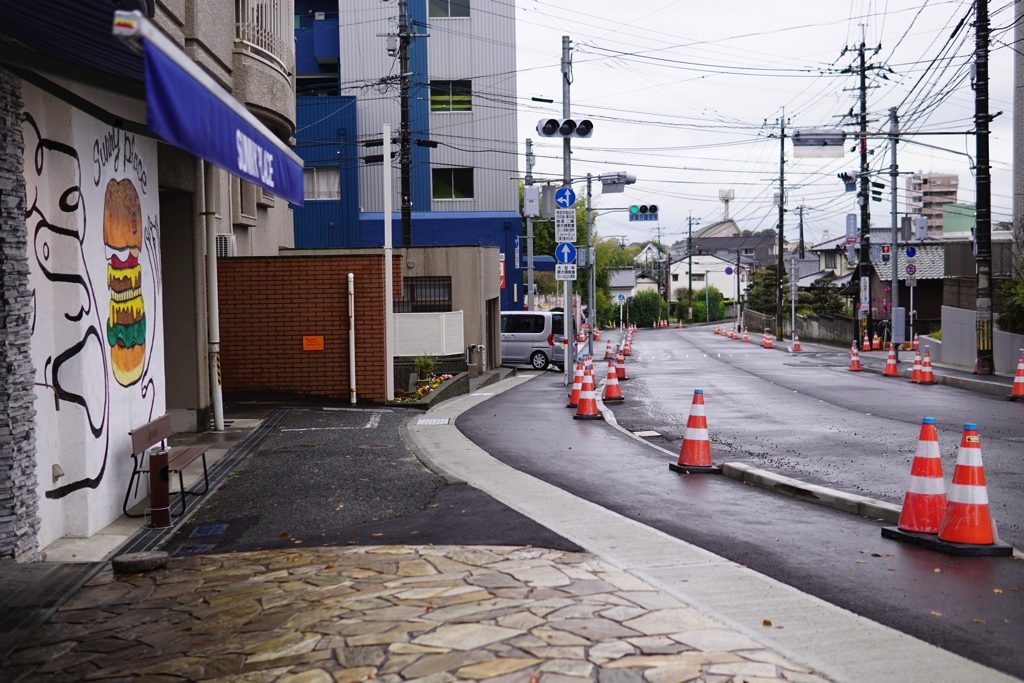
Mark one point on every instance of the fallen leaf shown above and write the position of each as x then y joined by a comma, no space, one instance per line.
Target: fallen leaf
377,534
890,569
937,570
875,555
862,561
284,534
997,591
766,622
936,614
978,621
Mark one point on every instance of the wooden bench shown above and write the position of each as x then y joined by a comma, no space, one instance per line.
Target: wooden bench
155,434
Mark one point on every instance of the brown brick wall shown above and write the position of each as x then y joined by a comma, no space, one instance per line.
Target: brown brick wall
269,303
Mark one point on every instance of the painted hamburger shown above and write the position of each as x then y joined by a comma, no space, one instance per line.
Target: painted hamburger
126,326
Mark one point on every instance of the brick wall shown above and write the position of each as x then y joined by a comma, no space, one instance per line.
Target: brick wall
269,303
19,504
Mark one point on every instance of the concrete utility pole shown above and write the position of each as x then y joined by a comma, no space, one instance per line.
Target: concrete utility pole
894,257
567,315
591,275
529,230
690,220
800,210
1018,134
780,266
983,183
404,142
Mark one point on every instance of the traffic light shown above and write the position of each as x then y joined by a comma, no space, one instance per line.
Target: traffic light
885,253
643,212
876,191
565,128
849,180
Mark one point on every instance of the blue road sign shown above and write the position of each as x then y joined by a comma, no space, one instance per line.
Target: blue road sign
565,253
911,252
565,197
620,298
728,270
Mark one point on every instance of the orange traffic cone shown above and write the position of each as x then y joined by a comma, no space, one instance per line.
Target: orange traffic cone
915,373
608,354
967,519
927,375
597,334
796,344
854,358
695,453
764,339
588,401
612,390
866,344
620,367
746,336
915,345
891,369
768,340
718,330
577,387
876,343
627,349
1017,391
925,501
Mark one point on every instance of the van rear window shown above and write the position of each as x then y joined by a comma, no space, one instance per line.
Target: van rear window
556,324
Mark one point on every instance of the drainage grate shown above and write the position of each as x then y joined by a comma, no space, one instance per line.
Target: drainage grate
432,421
209,530
193,549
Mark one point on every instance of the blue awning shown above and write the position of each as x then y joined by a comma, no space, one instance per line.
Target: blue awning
188,109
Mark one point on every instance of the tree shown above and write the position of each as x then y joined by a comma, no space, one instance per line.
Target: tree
761,293
823,297
646,308
713,297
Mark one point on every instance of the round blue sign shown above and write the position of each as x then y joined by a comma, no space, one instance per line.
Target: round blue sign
911,252
565,197
728,270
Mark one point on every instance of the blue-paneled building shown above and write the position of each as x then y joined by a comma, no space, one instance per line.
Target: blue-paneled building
462,102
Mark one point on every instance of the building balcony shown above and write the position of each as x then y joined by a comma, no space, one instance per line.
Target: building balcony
264,61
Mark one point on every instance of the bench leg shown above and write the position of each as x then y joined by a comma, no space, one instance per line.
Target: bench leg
136,478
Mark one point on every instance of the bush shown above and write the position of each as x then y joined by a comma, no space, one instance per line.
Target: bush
646,308
1011,318
424,366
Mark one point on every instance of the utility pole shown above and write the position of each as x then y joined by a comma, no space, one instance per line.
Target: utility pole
591,255
800,209
983,183
780,266
529,230
894,257
568,313
689,264
404,143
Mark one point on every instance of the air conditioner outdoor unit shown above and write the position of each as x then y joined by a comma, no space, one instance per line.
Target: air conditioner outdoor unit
225,246
320,16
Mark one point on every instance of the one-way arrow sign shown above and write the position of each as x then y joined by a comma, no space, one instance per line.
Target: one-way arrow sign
565,253
565,197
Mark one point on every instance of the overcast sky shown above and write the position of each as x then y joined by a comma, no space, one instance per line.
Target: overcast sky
679,92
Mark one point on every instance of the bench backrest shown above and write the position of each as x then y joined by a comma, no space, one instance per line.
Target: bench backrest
150,433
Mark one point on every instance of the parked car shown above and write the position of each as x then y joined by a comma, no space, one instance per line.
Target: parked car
532,338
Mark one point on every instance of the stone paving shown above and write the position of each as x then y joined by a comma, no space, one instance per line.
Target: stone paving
389,613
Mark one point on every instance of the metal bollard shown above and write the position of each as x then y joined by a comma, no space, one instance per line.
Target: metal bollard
159,491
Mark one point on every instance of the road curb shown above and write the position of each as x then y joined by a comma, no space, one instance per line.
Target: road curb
821,495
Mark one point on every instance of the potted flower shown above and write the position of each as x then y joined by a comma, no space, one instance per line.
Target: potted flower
424,370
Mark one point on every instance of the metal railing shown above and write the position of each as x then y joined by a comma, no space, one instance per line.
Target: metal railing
266,28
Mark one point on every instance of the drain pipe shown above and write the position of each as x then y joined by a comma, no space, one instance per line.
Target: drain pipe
352,338
209,175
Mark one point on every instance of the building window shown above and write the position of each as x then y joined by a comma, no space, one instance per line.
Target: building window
452,183
322,182
451,96
449,8
830,259
748,252
698,277
425,295
675,277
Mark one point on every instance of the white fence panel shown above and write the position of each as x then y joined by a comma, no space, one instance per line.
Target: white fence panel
429,334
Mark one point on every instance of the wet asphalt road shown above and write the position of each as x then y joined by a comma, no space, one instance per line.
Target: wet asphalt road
808,417
346,477
972,606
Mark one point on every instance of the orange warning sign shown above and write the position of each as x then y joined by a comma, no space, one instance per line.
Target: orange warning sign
313,342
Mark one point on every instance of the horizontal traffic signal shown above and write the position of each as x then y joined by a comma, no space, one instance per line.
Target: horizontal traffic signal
565,128
643,212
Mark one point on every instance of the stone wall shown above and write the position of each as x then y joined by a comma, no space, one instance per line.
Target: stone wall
19,505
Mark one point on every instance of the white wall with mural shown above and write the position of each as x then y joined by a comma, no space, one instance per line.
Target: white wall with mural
92,214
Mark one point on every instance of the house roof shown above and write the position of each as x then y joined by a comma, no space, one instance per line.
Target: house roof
829,245
726,228
930,261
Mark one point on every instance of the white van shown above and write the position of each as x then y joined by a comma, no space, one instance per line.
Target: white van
532,338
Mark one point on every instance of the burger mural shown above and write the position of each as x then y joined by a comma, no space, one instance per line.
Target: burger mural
126,324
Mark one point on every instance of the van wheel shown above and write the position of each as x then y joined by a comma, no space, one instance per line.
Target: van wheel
538,360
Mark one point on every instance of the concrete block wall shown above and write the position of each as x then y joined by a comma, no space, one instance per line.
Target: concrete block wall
269,304
19,508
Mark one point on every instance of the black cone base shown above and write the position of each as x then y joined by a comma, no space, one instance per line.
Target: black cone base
932,542
694,469
614,400
599,416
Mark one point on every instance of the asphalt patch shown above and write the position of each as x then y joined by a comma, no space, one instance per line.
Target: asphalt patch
341,478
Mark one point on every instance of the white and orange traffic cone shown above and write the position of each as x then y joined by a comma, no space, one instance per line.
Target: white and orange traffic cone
587,409
695,453
876,343
612,390
914,346
608,354
769,340
891,368
967,521
854,358
866,344
915,373
718,330
597,334
620,367
925,502
577,386
1017,390
796,344
927,375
